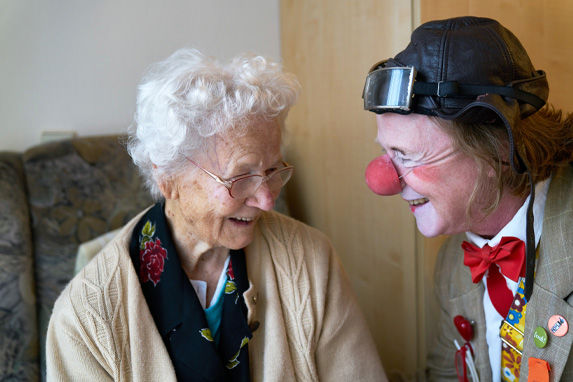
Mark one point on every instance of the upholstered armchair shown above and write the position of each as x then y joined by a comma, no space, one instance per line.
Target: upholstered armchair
54,197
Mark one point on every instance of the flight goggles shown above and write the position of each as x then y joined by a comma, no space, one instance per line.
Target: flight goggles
392,89
389,89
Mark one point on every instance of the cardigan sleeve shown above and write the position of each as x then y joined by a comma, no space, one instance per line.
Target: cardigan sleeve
101,328
68,357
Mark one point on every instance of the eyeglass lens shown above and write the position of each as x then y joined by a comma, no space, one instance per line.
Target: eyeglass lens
245,187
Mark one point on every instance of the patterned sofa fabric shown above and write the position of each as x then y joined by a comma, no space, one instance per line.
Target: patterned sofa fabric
54,197
78,190
18,324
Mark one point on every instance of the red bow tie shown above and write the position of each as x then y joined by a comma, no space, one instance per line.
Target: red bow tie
509,254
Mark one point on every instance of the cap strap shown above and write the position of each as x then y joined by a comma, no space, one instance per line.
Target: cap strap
530,237
453,89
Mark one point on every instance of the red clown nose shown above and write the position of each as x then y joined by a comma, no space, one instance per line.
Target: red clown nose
382,177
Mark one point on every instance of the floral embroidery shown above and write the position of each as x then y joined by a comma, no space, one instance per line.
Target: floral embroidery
230,286
156,259
230,272
233,362
152,255
206,333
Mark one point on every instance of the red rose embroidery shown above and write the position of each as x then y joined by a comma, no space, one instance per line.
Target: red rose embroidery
152,261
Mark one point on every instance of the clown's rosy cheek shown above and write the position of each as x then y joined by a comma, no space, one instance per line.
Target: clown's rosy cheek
428,174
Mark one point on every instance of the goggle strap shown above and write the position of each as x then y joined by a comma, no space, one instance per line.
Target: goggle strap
530,238
452,89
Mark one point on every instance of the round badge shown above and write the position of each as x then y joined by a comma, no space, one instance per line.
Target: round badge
540,337
558,325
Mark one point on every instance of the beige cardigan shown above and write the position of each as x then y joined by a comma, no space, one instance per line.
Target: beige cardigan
310,325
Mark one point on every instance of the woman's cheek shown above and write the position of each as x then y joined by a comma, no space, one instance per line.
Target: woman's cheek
429,174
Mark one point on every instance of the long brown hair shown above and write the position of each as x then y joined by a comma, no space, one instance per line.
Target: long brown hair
544,141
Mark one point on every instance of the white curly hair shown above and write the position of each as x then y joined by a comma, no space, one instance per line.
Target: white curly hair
189,97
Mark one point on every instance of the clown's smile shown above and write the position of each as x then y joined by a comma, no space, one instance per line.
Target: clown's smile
417,203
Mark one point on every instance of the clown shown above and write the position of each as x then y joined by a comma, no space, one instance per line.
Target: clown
471,146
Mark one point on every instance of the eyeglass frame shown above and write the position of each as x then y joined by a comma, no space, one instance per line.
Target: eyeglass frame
229,183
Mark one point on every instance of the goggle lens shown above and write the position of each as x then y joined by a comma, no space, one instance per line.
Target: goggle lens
389,89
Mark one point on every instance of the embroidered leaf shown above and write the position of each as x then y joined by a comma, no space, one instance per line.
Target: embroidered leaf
233,362
147,233
142,241
230,287
148,229
206,333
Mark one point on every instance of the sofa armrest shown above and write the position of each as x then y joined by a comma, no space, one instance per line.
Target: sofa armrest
18,323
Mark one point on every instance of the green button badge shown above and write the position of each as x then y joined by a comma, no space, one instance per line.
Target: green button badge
540,337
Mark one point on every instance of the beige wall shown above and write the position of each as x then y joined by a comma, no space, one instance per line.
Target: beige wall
75,65
330,45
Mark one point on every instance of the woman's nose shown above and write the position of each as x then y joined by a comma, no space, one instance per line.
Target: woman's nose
382,177
264,198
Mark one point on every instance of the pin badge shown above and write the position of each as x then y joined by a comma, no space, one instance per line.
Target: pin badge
538,370
540,337
464,328
558,325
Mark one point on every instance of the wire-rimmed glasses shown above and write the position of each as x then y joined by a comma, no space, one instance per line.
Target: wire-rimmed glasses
246,186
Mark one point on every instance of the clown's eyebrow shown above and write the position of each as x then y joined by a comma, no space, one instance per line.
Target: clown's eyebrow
401,151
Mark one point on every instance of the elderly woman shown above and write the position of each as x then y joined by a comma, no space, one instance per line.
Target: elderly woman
471,149
209,284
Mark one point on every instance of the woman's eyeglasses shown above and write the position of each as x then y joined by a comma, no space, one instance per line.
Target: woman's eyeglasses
246,186
465,353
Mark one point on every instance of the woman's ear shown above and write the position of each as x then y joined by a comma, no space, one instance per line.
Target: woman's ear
167,185
168,188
